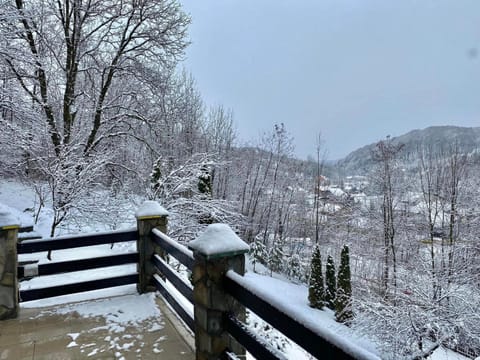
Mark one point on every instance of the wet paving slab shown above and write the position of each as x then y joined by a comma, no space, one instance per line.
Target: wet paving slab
127,327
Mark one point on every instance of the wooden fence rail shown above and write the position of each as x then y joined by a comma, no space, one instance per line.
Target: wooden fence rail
69,242
321,346
184,257
29,270
67,289
178,251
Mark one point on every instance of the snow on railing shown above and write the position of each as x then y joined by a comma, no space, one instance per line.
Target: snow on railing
73,241
178,251
34,269
317,340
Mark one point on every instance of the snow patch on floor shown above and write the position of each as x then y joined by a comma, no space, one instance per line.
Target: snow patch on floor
124,316
129,310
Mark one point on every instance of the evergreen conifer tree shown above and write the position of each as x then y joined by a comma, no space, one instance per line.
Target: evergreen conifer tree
205,181
330,284
343,299
258,253
276,257
316,289
294,267
156,175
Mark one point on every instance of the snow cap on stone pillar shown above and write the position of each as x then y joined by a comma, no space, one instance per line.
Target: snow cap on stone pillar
8,221
218,241
150,210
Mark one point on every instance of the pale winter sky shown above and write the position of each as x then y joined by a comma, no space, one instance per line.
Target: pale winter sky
356,70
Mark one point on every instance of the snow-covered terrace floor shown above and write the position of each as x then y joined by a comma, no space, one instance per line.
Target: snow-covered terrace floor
124,327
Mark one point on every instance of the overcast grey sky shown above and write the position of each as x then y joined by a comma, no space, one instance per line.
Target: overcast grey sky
356,70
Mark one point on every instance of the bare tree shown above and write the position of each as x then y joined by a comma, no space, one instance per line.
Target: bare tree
80,65
385,154
281,148
456,166
318,182
431,174
220,136
177,187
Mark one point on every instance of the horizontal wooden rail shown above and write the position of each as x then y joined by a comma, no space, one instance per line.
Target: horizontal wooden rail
179,252
184,288
184,315
185,257
250,341
310,340
229,356
24,229
67,242
66,289
76,265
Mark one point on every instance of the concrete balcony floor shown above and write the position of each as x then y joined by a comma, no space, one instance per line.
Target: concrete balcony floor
46,333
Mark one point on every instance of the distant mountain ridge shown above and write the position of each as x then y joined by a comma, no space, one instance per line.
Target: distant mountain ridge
436,137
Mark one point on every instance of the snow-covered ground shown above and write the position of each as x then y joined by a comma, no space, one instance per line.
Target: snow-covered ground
110,213
19,201
442,353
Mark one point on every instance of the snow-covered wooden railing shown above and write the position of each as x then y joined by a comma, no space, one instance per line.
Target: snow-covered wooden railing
208,265
178,251
316,340
184,257
220,295
27,233
149,215
68,242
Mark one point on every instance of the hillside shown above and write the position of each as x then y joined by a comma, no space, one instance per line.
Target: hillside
437,138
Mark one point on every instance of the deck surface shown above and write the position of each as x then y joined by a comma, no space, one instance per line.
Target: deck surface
44,333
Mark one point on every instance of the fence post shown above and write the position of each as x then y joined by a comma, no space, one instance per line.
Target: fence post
149,215
216,251
8,267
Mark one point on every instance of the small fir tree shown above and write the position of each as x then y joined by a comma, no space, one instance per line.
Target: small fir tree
294,267
276,257
258,253
205,181
155,176
316,289
343,299
330,284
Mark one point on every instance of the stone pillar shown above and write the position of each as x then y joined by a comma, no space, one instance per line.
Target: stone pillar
8,267
216,251
149,215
